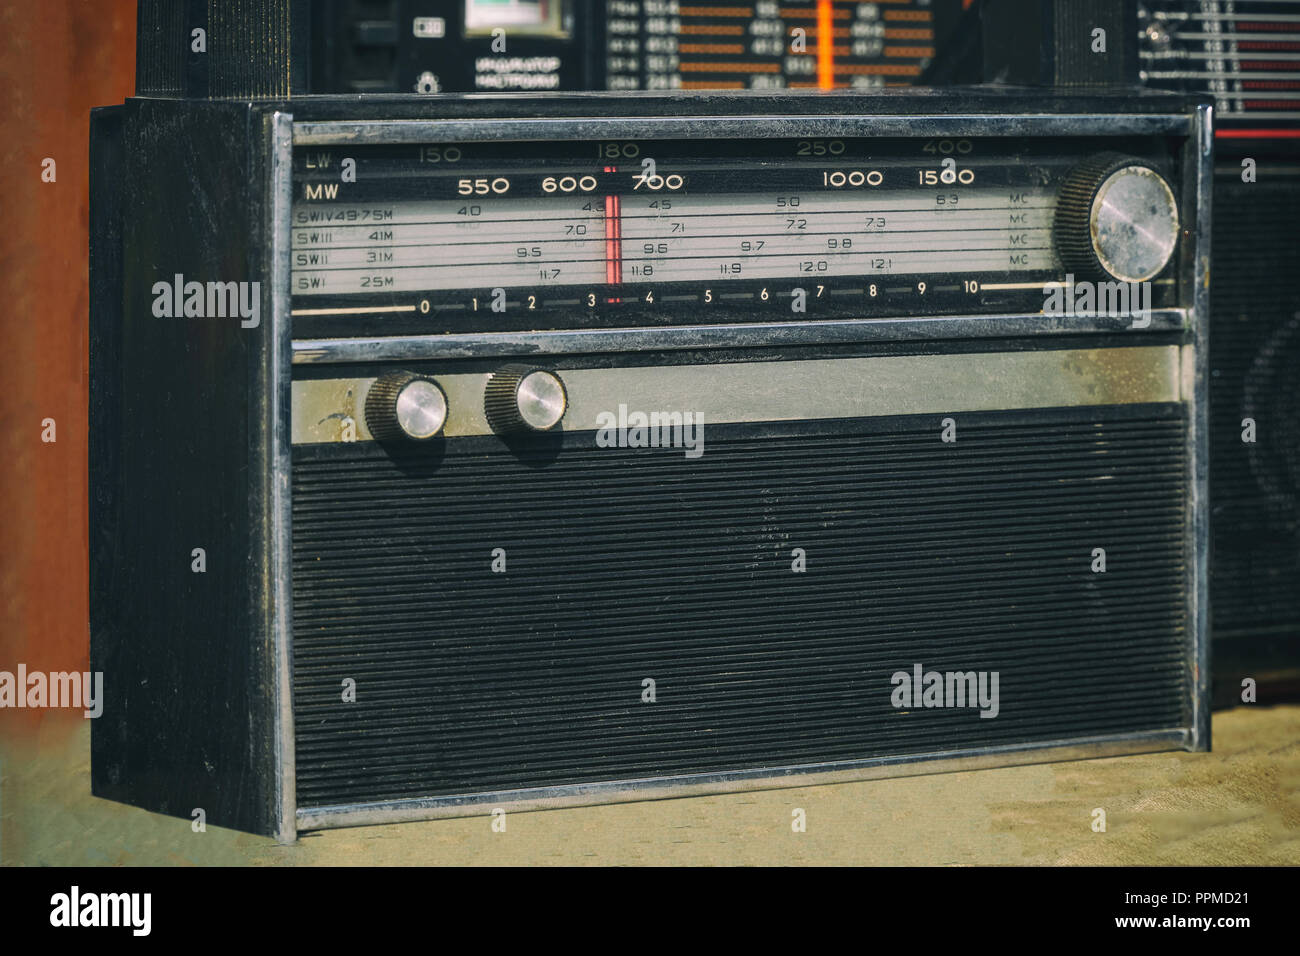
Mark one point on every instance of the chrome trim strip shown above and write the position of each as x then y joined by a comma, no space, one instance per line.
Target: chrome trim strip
689,785
787,389
397,348
281,557
347,132
1200,150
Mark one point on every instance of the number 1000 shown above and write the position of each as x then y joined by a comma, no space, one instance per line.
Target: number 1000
857,177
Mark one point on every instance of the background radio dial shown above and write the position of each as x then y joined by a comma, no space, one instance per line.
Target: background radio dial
1116,218
523,398
405,405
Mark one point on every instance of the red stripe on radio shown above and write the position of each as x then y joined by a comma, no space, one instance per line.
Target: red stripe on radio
1257,133
613,240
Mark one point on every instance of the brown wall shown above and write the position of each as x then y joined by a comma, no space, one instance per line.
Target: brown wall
58,58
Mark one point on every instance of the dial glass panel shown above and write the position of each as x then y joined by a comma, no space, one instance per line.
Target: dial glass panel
565,235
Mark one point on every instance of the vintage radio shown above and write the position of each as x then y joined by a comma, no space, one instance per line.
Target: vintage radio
467,453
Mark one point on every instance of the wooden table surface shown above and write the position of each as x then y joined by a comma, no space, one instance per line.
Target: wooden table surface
1239,805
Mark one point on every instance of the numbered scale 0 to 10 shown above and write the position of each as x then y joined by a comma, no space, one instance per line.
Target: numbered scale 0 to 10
655,235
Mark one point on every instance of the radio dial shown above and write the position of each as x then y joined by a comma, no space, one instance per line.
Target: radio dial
523,398
1116,219
405,405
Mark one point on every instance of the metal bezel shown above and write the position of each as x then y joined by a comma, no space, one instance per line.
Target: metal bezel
1193,282
769,778
349,132
281,452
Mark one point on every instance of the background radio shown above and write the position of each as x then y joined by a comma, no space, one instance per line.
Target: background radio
615,519
287,47
1244,55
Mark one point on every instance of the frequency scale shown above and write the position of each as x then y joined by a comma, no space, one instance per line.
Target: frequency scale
610,232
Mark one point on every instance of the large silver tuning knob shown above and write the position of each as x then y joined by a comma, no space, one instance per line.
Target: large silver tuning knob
524,398
405,405
1116,218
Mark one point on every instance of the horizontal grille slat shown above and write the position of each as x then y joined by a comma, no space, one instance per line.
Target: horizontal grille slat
625,564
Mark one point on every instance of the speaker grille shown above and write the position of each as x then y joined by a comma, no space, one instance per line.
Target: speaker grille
628,564
161,48
1255,354
251,48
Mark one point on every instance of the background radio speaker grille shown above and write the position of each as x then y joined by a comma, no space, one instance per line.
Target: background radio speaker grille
252,48
633,564
1255,360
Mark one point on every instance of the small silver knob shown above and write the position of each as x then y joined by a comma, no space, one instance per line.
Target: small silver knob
1116,218
524,398
405,405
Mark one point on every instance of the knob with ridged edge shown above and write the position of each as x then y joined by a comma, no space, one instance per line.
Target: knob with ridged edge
1116,219
524,398
405,405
